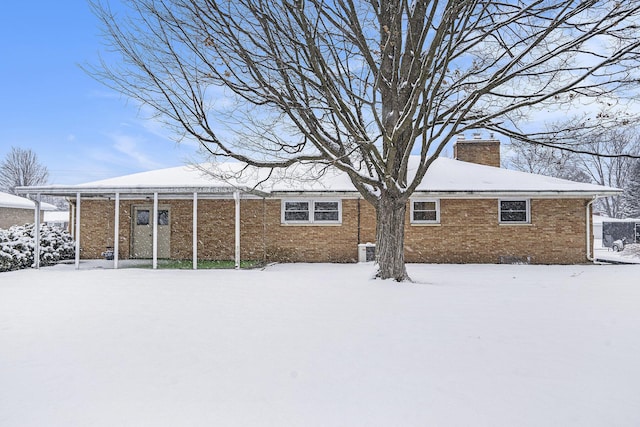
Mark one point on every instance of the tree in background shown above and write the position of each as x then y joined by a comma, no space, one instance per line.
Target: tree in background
544,160
631,196
21,167
363,86
604,168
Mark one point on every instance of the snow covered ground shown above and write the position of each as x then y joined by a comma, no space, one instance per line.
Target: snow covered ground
321,345
630,254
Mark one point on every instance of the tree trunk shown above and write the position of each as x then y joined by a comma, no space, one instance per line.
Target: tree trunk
390,212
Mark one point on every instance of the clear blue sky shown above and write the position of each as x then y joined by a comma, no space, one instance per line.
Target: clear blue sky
81,130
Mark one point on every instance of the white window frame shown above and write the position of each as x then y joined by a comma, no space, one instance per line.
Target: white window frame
312,210
427,221
527,206
300,221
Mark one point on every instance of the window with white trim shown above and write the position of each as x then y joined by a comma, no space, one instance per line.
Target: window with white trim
514,211
425,211
312,211
295,211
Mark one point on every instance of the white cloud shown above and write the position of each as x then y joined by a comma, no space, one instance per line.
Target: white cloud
129,146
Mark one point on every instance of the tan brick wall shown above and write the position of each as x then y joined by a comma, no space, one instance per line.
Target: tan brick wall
484,152
469,232
96,227
13,216
312,243
367,222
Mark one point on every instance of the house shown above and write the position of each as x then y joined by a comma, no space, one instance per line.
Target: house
467,210
15,210
58,219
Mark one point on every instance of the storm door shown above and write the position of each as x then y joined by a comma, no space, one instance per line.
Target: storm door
142,244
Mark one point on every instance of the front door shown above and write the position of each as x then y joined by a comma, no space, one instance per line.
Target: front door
143,232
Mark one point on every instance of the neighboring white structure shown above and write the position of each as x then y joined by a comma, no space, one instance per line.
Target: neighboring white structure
57,219
15,210
606,230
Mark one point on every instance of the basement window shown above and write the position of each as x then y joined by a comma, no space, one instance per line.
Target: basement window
311,212
425,211
514,211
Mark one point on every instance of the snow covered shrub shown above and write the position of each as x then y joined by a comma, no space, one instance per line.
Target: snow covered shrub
17,246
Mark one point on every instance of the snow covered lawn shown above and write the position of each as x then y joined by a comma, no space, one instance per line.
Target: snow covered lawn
321,345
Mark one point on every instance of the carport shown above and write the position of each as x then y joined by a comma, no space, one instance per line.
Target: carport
75,195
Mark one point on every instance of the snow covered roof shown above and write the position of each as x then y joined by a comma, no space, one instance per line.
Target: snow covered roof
16,202
599,219
454,176
445,177
57,216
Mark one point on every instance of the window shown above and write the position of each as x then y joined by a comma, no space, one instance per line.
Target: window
310,211
326,211
163,217
426,211
514,211
142,217
296,211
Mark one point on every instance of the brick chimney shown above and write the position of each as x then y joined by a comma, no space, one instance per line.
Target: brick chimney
478,150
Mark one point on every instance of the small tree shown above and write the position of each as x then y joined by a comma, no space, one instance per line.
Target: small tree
21,167
364,85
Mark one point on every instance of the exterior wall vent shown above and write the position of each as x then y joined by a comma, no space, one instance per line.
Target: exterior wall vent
366,252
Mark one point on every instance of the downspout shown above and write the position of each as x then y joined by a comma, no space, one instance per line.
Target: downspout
236,198
589,229
359,221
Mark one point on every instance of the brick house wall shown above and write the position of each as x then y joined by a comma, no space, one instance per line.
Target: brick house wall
262,236
14,216
312,243
469,232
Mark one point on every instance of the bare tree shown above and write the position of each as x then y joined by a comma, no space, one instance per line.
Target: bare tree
362,85
543,160
604,168
610,170
21,167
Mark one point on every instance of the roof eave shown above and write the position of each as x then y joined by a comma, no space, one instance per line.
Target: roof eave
558,194
72,191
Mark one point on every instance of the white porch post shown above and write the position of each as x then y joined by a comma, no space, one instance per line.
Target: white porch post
36,233
155,230
195,231
78,231
72,221
116,232
236,197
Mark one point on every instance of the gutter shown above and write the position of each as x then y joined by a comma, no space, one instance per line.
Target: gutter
531,194
72,191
